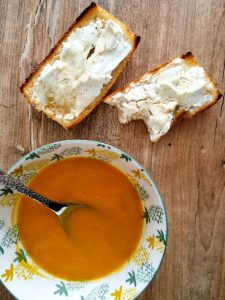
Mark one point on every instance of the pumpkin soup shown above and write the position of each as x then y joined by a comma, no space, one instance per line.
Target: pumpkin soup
97,239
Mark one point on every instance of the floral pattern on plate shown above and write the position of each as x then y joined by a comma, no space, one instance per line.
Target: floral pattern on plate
25,280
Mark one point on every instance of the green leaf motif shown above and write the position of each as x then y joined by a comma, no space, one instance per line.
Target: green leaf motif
132,278
56,157
146,216
1,250
20,256
32,156
126,157
162,237
61,289
103,146
2,224
6,191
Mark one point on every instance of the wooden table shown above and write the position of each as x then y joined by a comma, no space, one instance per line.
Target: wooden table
188,164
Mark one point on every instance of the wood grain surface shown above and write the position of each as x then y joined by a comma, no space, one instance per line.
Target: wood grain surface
188,164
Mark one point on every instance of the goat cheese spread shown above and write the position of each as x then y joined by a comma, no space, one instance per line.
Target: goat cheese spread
81,69
157,96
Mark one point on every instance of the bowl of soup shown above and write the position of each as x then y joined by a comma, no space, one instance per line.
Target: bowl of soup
109,247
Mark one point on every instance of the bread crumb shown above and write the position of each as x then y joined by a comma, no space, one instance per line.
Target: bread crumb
21,149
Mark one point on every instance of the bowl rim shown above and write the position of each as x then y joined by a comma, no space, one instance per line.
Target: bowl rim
94,142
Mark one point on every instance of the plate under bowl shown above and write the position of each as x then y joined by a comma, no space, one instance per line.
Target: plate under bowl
25,280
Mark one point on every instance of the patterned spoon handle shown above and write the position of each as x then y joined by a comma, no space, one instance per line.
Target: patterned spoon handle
16,185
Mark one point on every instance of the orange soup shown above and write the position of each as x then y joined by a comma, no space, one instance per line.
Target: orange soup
97,239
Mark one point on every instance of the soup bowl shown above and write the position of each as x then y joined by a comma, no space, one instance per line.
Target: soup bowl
25,280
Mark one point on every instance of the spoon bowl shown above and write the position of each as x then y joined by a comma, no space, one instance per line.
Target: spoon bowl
60,209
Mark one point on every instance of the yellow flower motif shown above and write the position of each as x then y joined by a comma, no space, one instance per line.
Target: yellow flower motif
103,154
18,171
155,243
138,174
91,152
124,294
151,241
8,275
117,293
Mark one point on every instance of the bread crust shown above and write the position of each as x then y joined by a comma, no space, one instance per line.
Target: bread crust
181,112
90,13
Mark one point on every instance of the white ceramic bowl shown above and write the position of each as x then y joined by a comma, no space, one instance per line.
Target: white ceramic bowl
26,281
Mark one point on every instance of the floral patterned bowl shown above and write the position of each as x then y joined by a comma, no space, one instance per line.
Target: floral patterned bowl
26,281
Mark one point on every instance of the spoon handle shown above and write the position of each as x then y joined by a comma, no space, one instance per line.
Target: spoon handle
16,185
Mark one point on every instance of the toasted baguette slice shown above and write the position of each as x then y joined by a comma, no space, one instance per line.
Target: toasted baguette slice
163,96
81,68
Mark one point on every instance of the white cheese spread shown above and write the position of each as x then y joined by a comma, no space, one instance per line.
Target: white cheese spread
157,95
82,68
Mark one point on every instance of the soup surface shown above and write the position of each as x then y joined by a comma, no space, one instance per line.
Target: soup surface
97,239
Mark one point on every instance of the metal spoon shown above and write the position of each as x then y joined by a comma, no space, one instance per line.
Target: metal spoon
16,185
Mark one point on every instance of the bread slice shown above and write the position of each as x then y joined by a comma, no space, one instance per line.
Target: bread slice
163,96
81,68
